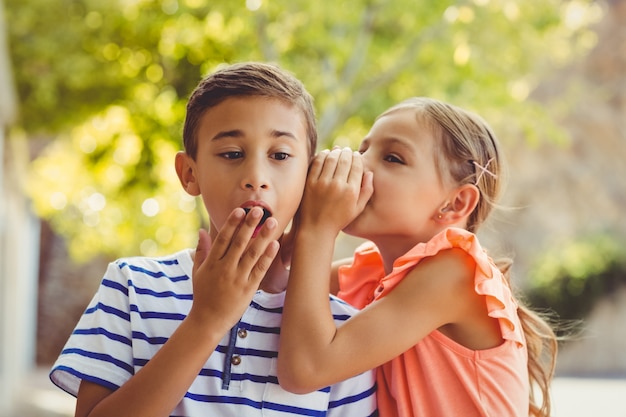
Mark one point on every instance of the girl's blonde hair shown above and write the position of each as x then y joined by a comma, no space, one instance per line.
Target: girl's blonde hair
467,152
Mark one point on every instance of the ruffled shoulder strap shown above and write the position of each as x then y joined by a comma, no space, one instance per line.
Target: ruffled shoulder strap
488,279
358,281
365,280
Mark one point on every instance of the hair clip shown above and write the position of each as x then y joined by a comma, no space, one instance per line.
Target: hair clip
483,170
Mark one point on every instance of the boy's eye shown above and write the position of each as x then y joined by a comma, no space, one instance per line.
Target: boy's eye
280,156
232,155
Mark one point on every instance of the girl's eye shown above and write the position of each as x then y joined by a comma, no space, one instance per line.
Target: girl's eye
280,156
393,159
232,155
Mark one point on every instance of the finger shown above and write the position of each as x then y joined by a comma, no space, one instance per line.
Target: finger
317,164
243,235
263,264
344,164
356,169
202,249
224,237
367,190
330,164
258,247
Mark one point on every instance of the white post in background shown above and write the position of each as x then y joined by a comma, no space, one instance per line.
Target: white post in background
6,113
19,270
5,397
19,247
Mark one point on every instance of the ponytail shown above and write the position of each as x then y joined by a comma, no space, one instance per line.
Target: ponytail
542,347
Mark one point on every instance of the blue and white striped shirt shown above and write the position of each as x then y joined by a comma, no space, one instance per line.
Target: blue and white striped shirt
139,304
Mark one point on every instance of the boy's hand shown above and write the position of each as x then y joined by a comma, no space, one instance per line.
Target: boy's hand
227,273
336,191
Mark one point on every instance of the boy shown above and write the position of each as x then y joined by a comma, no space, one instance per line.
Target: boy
145,345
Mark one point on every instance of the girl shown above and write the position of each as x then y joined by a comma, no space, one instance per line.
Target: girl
439,318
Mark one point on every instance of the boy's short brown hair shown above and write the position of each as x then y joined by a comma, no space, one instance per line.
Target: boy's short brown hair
247,79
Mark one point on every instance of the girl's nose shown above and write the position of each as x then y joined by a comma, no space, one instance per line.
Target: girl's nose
366,163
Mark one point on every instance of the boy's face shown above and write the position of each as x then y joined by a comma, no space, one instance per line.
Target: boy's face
252,151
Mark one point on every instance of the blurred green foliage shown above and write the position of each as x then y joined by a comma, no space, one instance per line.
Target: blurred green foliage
571,279
105,82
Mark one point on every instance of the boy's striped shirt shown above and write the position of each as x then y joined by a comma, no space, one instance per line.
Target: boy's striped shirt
139,304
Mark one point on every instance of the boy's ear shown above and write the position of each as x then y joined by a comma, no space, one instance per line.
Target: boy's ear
462,203
185,169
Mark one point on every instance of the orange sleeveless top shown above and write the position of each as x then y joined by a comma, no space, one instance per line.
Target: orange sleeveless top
439,377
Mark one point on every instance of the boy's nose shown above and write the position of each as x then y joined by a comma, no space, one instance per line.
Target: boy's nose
254,177
255,186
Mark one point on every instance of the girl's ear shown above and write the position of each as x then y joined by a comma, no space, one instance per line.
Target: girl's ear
185,168
461,204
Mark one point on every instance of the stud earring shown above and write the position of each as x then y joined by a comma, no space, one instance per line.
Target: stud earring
440,216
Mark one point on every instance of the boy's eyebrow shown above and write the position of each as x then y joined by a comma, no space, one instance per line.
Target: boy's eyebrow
279,133
227,134
236,133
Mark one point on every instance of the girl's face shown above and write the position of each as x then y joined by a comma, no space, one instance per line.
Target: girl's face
408,190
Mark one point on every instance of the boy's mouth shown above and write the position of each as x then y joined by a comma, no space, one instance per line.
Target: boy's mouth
266,215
